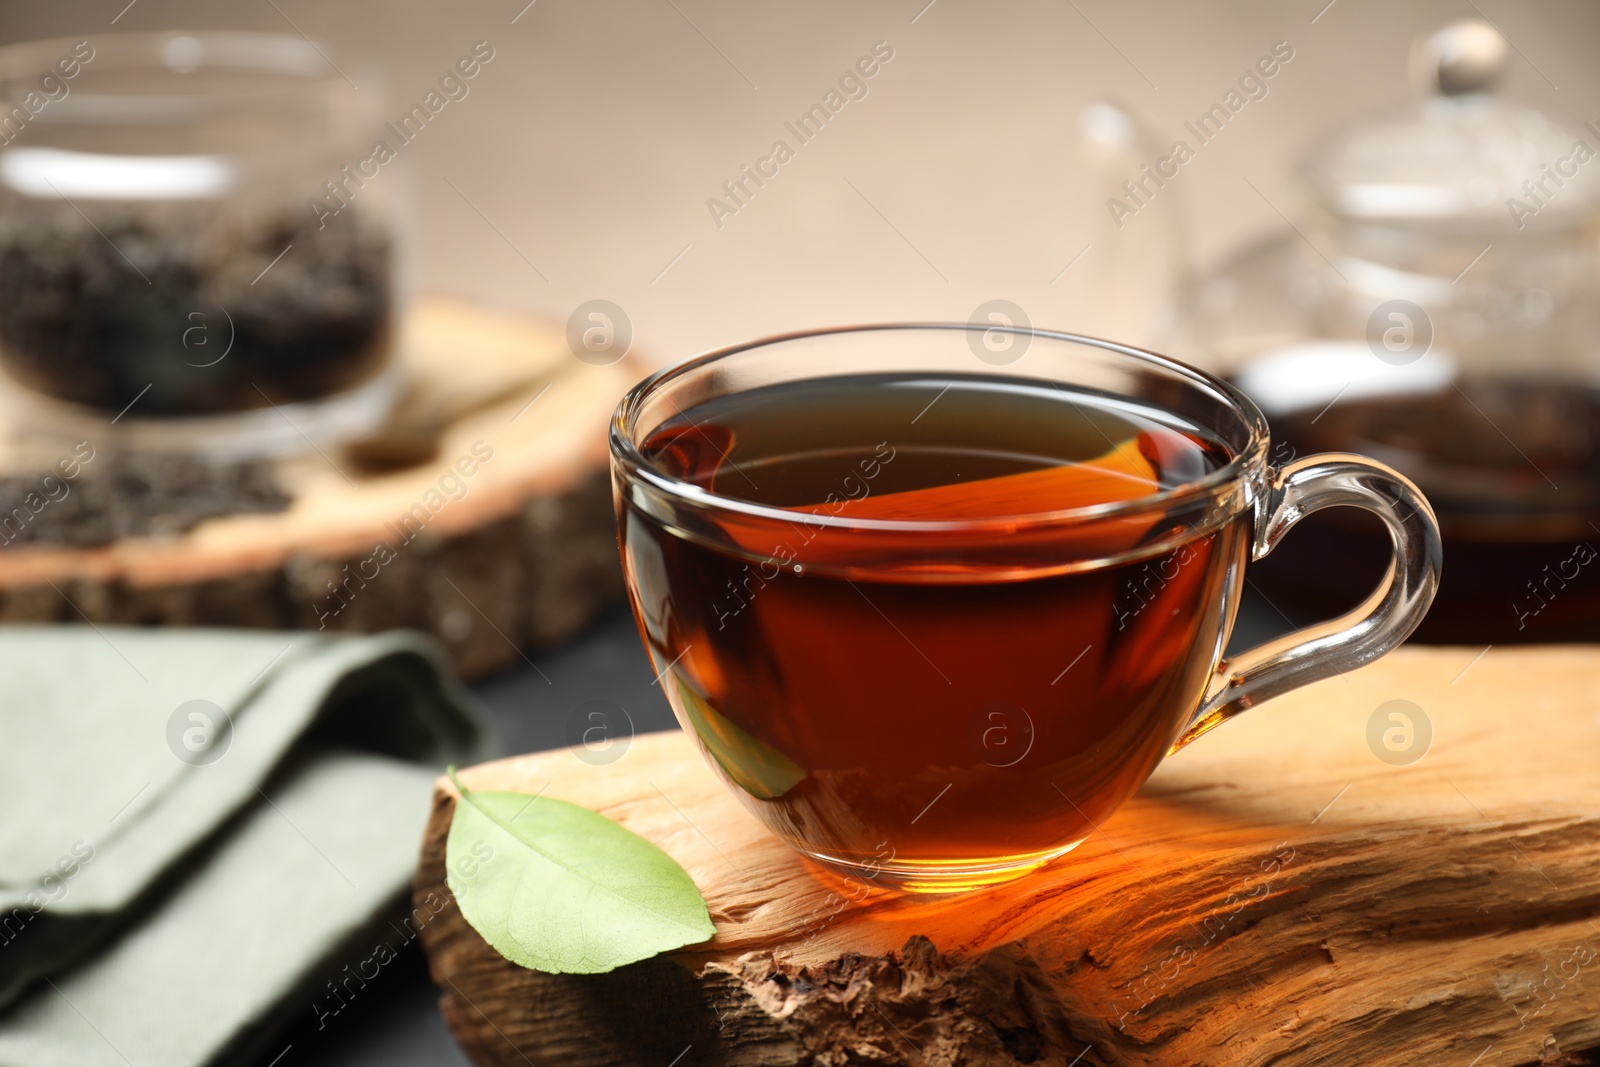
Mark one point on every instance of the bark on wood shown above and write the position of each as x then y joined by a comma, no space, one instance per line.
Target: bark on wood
524,559
1277,894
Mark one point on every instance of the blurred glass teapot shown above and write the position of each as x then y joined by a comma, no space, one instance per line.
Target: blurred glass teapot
1437,310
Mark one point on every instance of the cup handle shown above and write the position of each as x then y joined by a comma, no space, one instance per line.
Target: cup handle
1383,620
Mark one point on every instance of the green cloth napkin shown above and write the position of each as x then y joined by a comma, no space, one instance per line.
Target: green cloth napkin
194,824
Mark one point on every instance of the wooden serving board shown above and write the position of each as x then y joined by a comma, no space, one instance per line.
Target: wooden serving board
1276,894
520,558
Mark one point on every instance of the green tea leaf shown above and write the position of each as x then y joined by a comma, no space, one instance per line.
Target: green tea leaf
559,888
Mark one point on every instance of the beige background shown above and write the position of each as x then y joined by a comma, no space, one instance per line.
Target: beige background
594,138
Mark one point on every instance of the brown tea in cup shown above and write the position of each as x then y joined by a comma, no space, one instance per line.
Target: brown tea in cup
952,711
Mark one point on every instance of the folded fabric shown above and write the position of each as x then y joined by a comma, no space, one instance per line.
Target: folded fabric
191,822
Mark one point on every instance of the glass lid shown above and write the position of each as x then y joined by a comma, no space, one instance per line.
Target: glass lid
1464,159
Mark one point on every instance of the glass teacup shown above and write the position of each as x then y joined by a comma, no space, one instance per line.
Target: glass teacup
934,599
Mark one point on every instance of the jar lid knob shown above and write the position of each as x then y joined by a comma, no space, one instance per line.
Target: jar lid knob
1467,56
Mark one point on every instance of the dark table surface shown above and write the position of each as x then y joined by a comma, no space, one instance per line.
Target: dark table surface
396,1023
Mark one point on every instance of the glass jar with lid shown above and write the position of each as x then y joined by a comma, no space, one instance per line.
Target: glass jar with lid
188,259
1438,308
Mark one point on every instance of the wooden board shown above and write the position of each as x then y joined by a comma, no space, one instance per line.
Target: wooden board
522,557
1276,894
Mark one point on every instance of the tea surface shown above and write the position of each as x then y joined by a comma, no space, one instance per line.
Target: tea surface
793,446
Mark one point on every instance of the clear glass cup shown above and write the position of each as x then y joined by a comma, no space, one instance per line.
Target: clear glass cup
841,740
194,242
